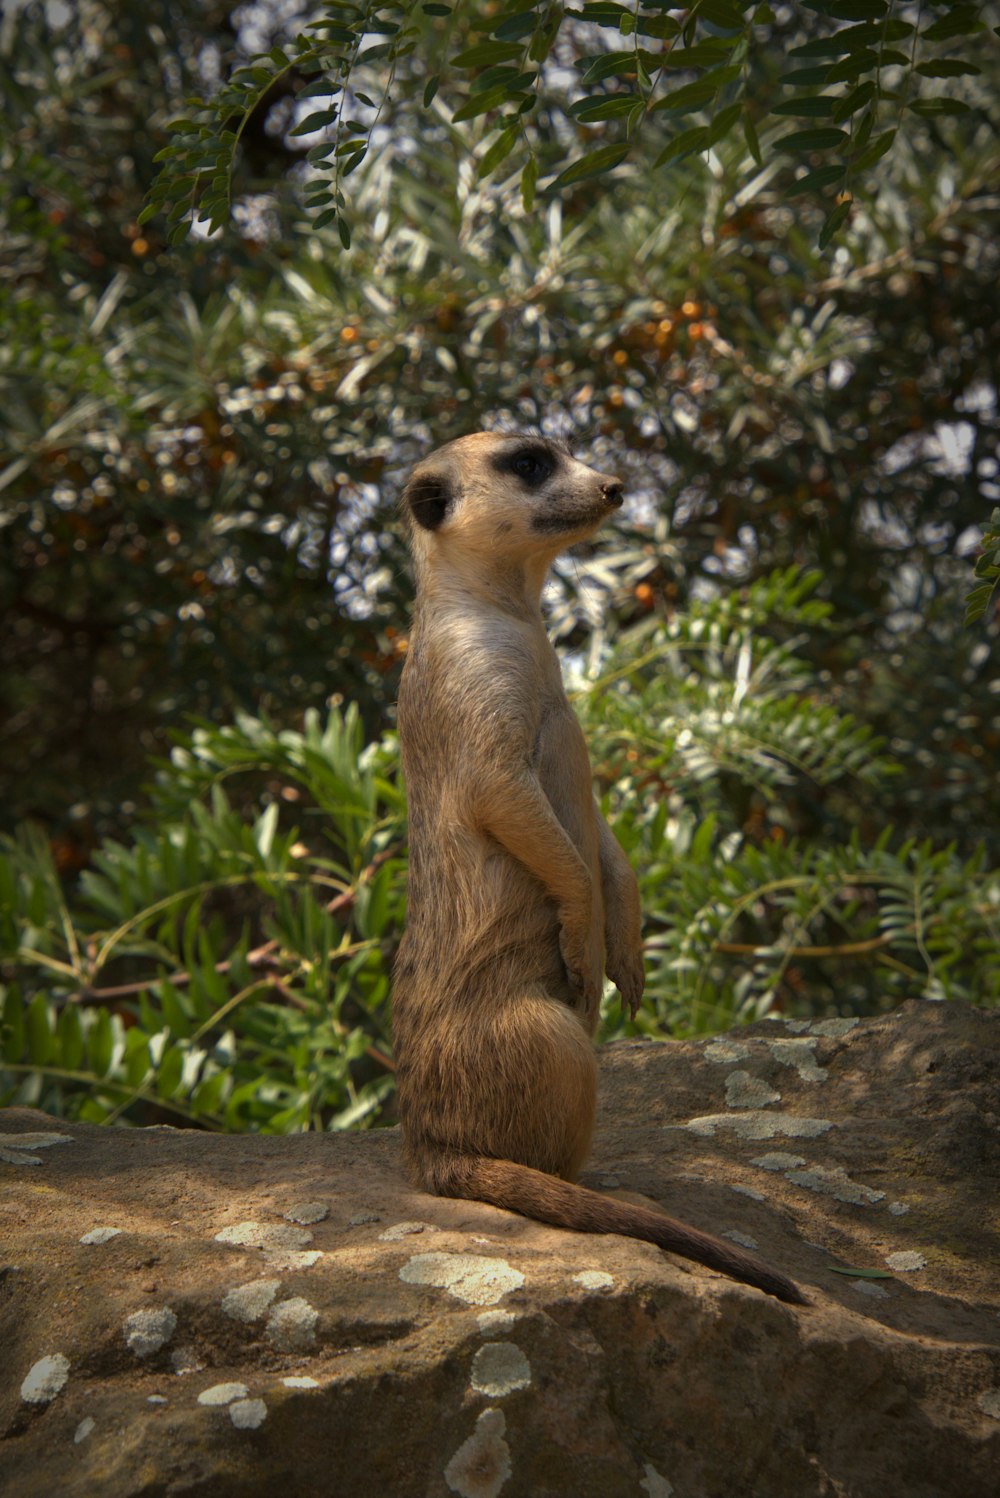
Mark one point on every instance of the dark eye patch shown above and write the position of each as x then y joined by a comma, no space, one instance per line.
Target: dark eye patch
533,463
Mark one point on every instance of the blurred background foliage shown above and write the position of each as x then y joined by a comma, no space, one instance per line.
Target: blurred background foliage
201,451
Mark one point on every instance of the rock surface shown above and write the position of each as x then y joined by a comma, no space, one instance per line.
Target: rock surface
180,1315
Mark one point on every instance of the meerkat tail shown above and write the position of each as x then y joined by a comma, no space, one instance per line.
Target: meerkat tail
518,1188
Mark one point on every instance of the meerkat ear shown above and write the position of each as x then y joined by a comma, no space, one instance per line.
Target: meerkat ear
428,498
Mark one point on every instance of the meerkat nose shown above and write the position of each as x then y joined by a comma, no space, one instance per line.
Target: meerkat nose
613,492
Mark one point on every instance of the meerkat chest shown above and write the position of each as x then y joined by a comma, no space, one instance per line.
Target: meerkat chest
562,764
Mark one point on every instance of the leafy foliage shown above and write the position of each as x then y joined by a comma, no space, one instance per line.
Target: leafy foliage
543,77
987,567
229,965
219,966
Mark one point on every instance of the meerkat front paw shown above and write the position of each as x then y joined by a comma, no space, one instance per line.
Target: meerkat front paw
583,967
627,971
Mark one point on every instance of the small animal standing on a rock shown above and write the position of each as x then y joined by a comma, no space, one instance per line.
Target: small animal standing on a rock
520,897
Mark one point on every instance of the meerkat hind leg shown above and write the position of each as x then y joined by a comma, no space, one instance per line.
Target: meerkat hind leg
521,1086
523,1132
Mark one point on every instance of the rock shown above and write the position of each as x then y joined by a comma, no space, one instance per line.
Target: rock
490,1355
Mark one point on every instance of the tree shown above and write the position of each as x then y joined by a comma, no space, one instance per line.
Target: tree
547,78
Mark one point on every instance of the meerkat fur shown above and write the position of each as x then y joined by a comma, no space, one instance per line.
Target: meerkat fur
520,897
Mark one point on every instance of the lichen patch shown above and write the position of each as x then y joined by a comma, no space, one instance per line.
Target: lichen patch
292,1258
481,1465
477,1281
800,1054
223,1393
499,1368
873,1291
655,1485
832,1027
778,1160
989,1403
745,1091
836,1183
307,1212
291,1326
15,1149
723,1051
743,1239
101,1235
45,1379
147,1331
249,1302
271,1235
906,1262
593,1279
756,1124
495,1321
247,1414
405,1230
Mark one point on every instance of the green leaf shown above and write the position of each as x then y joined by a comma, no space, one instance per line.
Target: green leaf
610,64
430,89
70,1034
726,14
702,55
856,10
824,139
962,20
804,77
498,151
722,123
316,121
169,1071
683,144
486,53
807,104
823,176
860,1274
834,219
875,151
931,108
593,164
692,95
15,1032
39,1031
529,178
100,1044
513,27
855,100
948,67
588,110
851,68
493,98
506,73
344,230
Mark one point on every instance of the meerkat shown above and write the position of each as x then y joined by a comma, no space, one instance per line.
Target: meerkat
520,896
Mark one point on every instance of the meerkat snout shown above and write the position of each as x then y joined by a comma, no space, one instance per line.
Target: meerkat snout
613,492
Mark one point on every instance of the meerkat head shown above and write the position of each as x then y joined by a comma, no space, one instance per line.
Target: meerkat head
506,496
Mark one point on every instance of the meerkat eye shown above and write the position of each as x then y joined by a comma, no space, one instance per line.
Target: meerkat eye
533,467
